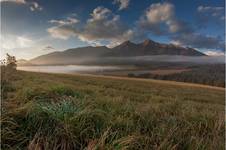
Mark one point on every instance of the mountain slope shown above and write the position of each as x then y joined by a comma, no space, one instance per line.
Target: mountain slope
71,56
149,47
126,49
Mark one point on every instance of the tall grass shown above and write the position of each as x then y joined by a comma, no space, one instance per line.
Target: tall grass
74,114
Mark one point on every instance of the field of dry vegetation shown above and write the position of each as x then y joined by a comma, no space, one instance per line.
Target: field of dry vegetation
63,112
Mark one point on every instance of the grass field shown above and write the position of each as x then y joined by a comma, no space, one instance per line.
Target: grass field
57,111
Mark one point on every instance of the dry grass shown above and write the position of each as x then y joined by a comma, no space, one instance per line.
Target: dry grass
57,111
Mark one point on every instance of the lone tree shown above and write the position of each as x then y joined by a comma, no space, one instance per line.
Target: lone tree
8,74
11,61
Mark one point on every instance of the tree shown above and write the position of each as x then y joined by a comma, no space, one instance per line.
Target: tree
11,61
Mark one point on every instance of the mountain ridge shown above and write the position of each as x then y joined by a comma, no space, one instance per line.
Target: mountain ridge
125,49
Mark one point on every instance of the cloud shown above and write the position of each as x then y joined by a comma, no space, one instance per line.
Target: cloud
199,41
210,13
48,48
23,42
158,13
14,1
22,46
160,18
9,42
63,29
123,4
100,13
32,5
68,21
103,25
204,9
61,32
214,53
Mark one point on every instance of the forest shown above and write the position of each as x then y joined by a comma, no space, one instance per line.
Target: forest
212,74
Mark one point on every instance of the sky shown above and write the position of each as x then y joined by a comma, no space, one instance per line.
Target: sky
30,28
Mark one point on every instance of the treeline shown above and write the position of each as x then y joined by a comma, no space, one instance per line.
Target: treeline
204,74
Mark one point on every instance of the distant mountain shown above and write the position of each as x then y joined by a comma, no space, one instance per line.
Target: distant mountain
84,55
21,62
149,47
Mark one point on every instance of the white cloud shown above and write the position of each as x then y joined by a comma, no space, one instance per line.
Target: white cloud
174,42
158,14
214,53
22,46
61,32
32,5
68,21
15,45
64,29
23,42
12,42
123,4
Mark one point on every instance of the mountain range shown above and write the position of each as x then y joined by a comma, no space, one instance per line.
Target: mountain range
90,54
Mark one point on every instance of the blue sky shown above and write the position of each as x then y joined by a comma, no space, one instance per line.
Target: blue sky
34,27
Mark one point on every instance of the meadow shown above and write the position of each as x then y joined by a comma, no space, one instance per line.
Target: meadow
62,112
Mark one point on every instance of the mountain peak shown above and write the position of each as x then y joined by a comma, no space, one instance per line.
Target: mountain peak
127,43
147,42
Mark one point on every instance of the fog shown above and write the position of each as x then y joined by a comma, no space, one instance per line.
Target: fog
169,58
108,64
68,69
137,60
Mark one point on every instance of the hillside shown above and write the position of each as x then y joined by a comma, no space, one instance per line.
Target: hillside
88,112
89,55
